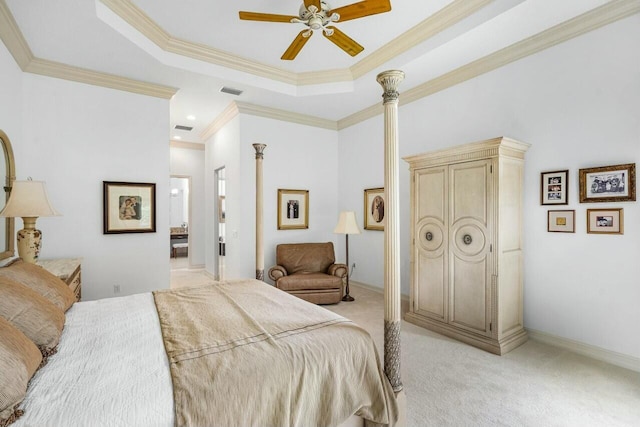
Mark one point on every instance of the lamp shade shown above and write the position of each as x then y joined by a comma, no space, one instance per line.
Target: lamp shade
347,223
28,199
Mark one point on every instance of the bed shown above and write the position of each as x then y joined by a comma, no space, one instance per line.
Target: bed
118,363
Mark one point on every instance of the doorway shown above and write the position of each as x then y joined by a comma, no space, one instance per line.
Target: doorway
179,220
220,220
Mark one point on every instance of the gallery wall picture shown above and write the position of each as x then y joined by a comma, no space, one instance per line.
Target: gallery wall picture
554,188
616,183
605,221
293,209
374,209
129,207
561,221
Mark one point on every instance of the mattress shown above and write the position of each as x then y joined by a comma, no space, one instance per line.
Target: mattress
78,387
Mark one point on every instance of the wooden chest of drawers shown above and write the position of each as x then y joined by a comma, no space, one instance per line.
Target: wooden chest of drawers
68,270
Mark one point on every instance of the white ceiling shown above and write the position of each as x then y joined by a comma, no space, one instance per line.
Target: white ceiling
198,46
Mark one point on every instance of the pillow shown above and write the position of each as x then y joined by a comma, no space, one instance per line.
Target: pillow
34,315
19,360
40,280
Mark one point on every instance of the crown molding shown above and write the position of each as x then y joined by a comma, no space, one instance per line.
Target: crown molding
61,71
135,17
12,37
287,116
453,13
186,145
219,122
589,21
19,48
236,108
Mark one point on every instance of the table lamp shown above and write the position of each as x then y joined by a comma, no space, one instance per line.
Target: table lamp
347,225
28,200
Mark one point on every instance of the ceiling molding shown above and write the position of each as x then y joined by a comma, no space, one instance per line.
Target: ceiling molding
448,16
287,116
19,48
135,17
439,21
12,37
62,71
223,118
237,107
186,145
589,21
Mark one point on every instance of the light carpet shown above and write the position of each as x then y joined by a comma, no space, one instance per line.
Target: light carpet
448,383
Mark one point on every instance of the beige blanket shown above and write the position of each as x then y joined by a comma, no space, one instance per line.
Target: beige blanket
243,353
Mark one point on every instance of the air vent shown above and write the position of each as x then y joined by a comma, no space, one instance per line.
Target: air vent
187,128
231,91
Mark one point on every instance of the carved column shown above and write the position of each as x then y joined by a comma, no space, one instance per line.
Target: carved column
389,80
259,209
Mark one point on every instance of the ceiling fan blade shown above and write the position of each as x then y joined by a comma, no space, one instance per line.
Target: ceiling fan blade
363,8
268,17
344,42
315,3
296,46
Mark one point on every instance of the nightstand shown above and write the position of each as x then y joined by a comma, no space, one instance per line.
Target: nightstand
68,270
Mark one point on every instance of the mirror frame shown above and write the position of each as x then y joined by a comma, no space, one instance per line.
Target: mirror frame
11,176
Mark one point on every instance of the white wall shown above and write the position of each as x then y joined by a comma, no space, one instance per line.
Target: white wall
297,157
74,137
578,104
190,162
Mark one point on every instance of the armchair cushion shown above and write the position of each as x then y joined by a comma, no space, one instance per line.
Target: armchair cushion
299,282
305,257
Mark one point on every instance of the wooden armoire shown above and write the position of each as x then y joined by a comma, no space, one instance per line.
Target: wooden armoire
466,245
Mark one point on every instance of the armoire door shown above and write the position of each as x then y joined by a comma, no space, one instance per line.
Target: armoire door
470,230
431,243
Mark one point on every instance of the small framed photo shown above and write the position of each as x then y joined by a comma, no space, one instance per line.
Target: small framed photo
615,183
561,221
554,188
129,207
605,221
293,209
374,209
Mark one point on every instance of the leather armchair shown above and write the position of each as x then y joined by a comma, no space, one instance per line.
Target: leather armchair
309,271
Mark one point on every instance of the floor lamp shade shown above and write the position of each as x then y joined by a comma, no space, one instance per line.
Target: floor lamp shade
347,224
28,200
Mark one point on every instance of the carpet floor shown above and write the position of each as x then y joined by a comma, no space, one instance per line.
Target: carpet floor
448,383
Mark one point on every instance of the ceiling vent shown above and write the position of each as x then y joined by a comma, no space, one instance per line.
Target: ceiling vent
187,128
231,91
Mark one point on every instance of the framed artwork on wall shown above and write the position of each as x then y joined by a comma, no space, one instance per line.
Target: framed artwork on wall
554,188
374,209
129,207
615,183
293,209
605,221
561,221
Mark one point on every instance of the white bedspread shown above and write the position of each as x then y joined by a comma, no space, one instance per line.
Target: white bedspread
98,339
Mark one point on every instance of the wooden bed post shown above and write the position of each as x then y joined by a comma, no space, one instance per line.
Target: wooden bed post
390,80
259,208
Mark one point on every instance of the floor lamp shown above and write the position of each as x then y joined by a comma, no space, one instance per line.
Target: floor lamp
347,225
28,200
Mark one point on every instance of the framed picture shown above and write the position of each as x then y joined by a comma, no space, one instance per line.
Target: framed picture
561,221
221,209
293,209
374,209
615,183
605,221
129,207
554,188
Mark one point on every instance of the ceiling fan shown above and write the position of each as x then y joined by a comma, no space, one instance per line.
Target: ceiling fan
318,15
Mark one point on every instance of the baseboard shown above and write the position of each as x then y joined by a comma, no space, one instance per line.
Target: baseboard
196,266
403,297
598,353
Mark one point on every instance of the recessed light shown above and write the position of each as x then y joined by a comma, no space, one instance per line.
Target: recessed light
177,137
191,117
